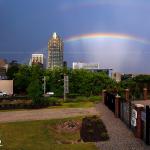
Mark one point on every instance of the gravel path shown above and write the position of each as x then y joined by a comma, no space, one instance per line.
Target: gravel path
42,114
121,138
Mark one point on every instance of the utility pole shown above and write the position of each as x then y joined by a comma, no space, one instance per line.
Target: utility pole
44,84
66,86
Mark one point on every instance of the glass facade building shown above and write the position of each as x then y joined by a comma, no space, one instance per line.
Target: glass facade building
55,51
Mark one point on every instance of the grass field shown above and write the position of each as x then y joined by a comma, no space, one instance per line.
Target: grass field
39,135
79,102
75,105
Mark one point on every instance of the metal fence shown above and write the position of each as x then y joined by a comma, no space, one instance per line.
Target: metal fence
125,112
110,101
147,132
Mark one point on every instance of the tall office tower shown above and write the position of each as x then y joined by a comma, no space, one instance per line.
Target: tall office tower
55,51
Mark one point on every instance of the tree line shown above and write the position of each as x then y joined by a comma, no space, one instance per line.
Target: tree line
29,79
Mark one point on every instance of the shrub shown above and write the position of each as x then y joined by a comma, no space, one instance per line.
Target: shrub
81,99
54,101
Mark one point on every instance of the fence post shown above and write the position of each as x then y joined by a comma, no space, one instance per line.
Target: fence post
145,93
117,106
104,96
138,128
147,125
128,100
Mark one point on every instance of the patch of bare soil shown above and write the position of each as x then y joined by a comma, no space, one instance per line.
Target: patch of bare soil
69,126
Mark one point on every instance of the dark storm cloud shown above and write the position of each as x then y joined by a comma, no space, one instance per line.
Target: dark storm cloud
26,26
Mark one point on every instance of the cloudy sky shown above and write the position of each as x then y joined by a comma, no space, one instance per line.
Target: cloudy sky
26,26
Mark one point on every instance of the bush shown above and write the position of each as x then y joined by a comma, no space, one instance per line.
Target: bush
81,99
54,101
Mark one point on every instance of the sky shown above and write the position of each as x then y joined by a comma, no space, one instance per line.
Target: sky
27,25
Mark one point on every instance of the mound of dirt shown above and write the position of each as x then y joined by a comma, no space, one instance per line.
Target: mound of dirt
69,126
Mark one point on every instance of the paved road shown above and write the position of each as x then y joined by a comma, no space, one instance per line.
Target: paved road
42,114
121,138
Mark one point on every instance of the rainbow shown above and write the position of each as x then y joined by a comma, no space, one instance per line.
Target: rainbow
107,36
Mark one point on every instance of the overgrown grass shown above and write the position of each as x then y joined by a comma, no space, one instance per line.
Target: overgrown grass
79,102
38,135
85,99
75,105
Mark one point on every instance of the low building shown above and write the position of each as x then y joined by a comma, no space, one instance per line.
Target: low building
6,86
3,69
88,66
92,67
38,59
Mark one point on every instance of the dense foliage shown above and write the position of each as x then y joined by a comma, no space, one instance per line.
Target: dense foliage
136,85
29,80
12,69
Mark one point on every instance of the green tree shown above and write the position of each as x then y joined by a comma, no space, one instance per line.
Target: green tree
12,69
54,81
22,79
34,89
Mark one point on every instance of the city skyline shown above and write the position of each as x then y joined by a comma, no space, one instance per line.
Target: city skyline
114,34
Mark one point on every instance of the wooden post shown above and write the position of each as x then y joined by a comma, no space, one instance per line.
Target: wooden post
138,128
145,93
104,96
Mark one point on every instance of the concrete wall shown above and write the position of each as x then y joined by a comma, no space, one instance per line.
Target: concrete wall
6,86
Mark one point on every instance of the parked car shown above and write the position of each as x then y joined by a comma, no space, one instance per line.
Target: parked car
47,94
3,93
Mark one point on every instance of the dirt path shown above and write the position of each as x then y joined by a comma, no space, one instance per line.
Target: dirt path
42,114
121,138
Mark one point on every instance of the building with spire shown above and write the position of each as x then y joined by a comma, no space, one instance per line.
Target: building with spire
55,51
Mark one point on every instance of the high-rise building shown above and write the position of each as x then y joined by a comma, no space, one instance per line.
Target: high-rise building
55,51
